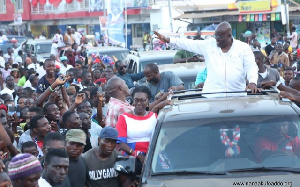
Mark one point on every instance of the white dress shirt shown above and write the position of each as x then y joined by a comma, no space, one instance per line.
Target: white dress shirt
226,72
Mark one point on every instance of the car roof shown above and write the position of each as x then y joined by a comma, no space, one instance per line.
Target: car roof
250,105
183,69
105,49
148,55
41,41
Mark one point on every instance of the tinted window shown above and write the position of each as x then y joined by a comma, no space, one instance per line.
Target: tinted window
43,48
155,61
199,145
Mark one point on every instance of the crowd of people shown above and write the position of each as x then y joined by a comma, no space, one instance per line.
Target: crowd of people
65,123
68,121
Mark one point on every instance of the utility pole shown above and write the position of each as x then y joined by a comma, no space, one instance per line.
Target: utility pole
287,20
170,15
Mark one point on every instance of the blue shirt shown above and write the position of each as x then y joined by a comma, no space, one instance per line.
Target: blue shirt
130,78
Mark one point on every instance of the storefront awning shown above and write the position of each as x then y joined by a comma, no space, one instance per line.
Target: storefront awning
206,15
13,24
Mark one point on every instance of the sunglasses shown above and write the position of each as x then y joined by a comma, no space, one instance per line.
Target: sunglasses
123,67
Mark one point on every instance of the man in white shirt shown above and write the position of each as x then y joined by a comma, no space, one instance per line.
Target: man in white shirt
2,61
54,48
64,66
32,81
59,37
34,65
228,61
10,86
294,39
77,36
19,58
10,54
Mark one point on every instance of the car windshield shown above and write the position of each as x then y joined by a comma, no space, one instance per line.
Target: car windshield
155,61
43,48
120,55
225,145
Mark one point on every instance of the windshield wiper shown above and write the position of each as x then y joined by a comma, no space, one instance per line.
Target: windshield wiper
185,172
284,169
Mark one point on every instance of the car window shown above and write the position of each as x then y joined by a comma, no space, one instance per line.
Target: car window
227,144
43,48
189,82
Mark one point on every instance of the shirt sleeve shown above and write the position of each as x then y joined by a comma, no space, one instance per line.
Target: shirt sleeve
122,129
174,79
250,65
195,46
178,55
137,76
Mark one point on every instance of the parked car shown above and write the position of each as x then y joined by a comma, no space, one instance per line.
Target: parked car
39,48
138,60
187,72
227,141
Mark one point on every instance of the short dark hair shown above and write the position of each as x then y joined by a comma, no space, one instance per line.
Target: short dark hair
48,60
34,120
53,136
258,54
288,69
46,106
21,96
4,96
9,76
8,100
55,152
20,52
38,110
84,101
153,67
84,73
117,63
27,144
93,92
143,89
29,90
66,116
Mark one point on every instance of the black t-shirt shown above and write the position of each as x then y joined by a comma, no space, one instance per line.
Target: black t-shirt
77,172
88,145
43,84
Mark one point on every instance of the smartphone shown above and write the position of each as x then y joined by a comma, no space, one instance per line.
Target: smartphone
62,78
11,110
17,110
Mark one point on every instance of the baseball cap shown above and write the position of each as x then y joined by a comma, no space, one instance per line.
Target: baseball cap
64,58
31,77
57,66
109,132
76,135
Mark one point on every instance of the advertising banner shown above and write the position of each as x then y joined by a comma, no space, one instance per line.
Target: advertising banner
17,19
254,6
96,5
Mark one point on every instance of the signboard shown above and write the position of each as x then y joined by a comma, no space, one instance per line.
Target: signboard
252,17
254,6
256,17
17,19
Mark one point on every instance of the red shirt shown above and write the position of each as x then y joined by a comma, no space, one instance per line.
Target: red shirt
71,60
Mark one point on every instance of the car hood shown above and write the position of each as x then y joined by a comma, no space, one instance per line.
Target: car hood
284,178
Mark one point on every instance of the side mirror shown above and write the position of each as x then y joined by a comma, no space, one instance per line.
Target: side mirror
125,165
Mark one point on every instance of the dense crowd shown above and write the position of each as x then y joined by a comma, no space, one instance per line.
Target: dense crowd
66,120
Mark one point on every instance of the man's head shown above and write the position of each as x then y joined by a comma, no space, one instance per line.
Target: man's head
51,112
18,90
71,75
4,179
34,59
29,102
33,111
24,170
49,67
108,140
53,140
85,107
75,142
10,50
121,67
72,120
259,58
115,6
56,166
21,101
10,81
279,48
59,31
86,121
34,79
152,73
30,147
288,74
295,83
223,35
117,88
69,31
27,91
78,65
69,51
86,77
40,125
273,40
